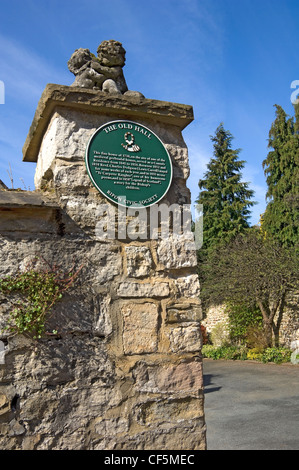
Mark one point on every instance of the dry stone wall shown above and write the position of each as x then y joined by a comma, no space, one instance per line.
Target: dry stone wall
124,370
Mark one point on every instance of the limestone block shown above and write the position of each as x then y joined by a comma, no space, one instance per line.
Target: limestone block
188,286
140,328
16,428
66,138
70,175
4,404
113,426
185,312
2,348
25,220
103,324
186,435
67,314
176,252
83,210
184,378
138,289
139,260
178,192
184,338
168,411
180,160
103,262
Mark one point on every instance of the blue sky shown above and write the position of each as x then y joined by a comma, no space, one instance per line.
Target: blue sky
232,60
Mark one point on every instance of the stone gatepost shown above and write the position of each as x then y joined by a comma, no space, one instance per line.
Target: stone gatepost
124,370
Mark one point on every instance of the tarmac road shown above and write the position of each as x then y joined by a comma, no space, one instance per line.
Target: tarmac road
251,406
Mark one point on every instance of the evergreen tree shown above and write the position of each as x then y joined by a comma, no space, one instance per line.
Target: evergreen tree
225,199
281,167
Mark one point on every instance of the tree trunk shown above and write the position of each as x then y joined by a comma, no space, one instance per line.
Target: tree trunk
268,312
279,311
267,322
268,328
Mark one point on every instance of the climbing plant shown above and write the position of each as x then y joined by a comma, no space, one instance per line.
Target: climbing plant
33,294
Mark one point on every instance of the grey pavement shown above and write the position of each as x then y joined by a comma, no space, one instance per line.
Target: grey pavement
251,406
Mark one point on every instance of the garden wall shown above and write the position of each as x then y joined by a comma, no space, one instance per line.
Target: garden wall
121,366
289,322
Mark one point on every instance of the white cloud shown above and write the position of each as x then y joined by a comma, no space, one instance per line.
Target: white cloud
24,73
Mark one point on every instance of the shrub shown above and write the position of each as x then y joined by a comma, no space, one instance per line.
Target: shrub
256,338
277,355
235,353
224,352
210,352
33,294
255,354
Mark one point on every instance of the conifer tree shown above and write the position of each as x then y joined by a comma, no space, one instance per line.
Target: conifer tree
226,200
280,220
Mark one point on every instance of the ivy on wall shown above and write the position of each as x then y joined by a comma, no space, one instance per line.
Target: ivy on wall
33,294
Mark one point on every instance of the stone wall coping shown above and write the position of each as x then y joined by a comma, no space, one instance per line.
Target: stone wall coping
3,185
93,101
24,199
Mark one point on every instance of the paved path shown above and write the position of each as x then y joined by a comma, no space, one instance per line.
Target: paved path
251,406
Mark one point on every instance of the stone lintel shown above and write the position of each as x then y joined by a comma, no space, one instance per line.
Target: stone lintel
3,186
92,101
25,199
27,213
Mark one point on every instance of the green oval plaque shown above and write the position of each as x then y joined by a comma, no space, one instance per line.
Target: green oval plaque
128,164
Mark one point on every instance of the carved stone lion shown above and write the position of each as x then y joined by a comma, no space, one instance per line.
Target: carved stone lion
100,73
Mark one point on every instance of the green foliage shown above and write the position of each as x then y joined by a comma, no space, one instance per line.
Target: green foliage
33,294
241,318
225,199
251,271
224,352
276,355
256,337
281,167
255,354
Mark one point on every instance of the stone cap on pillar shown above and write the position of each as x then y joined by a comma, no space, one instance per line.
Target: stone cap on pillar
94,101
